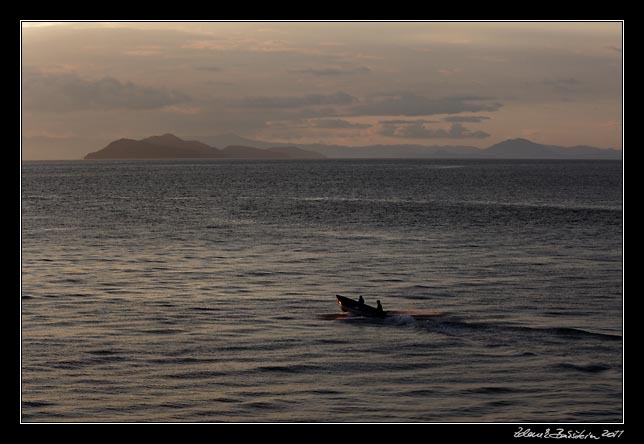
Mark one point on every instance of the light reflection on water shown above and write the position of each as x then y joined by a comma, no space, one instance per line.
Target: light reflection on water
205,291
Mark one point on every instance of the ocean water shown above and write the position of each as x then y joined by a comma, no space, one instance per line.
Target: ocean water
204,291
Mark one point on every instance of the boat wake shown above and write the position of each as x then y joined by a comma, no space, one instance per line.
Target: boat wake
442,323
393,317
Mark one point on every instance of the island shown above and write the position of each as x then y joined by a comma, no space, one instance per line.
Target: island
169,146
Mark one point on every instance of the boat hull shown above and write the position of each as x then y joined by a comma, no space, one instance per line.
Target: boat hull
352,306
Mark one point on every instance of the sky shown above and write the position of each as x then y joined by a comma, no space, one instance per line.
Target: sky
85,84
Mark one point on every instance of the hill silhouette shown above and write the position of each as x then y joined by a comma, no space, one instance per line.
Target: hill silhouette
518,148
169,146
526,149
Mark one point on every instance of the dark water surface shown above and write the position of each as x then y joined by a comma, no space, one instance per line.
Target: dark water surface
203,291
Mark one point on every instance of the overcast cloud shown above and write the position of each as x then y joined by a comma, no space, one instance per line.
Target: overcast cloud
56,92
336,83
410,104
419,130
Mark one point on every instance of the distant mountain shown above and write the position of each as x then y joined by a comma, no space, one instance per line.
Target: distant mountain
169,146
231,139
519,148
247,152
508,149
142,149
352,152
526,149
295,153
397,151
170,140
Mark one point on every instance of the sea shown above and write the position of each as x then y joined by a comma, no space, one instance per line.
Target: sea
201,291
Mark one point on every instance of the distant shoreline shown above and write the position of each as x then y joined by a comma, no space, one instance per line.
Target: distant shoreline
329,159
169,146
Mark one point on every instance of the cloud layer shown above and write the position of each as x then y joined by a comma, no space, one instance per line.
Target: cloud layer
411,104
331,71
339,98
338,124
418,130
468,119
350,83
62,92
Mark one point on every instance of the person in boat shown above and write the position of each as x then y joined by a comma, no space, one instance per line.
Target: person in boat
361,300
379,306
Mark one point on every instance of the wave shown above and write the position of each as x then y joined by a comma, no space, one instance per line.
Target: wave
439,322
183,360
543,205
104,352
579,333
494,390
576,206
401,320
590,368
95,360
292,368
36,404
206,374
454,325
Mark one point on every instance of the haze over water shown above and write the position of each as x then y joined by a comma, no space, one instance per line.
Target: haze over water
204,291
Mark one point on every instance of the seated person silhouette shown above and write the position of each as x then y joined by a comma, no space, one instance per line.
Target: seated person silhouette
361,300
379,307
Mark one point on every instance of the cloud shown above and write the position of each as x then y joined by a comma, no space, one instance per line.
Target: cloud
563,84
334,124
405,122
338,124
417,130
61,92
410,104
339,98
144,52
240,43
331,71
318,111
208,68
469,119
448,72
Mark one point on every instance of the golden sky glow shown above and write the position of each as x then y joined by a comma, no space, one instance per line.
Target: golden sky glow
352,83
